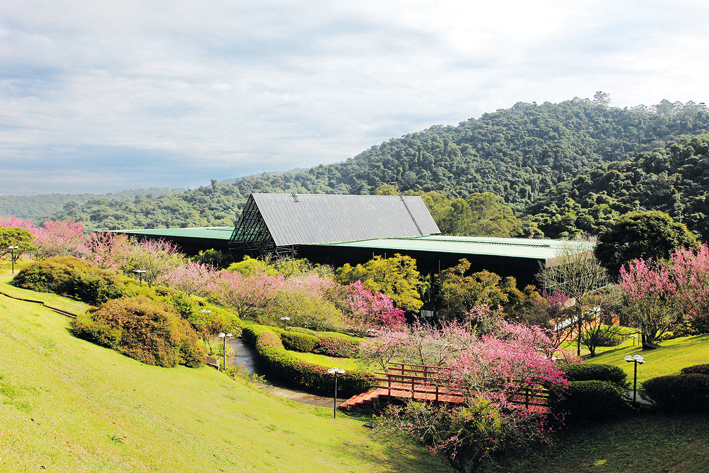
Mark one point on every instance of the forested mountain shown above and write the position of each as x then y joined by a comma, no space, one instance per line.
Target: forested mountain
517,153
35,206
673,179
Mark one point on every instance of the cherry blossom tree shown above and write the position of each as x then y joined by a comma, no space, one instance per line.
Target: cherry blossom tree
158,258
367,310
58,238
192,278
648,293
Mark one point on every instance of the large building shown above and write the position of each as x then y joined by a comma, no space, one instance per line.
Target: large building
338,229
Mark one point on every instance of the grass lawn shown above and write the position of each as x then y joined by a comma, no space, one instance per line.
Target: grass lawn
348,364
70,406
641,443
670,358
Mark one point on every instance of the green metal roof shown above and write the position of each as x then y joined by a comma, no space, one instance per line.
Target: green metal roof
526,248
211,233
491,246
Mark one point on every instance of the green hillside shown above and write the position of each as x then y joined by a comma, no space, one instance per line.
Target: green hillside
67,405
673,179
517,153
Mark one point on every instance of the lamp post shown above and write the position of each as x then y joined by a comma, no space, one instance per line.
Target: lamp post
285,322
140,274
12,256
637,359
635,338
335,371
225,336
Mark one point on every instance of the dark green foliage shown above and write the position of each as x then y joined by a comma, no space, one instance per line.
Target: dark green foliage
636,235
70,276
281,365
591,400
516,153
696,369
589,371
141,329
683,393
301,342
672,179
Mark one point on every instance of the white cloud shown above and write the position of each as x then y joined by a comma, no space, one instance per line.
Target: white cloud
222,88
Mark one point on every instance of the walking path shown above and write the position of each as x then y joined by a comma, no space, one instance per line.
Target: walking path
245,355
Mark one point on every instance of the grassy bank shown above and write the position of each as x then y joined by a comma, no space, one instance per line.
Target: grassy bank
68,405
670,358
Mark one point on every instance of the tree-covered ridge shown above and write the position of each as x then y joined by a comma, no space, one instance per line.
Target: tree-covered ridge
673,179
34,206
516,153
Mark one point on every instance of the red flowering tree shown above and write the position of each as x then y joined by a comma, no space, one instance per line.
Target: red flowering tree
369,310
649,292
690,272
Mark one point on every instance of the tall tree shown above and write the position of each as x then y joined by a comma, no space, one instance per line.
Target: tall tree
645,235
396,277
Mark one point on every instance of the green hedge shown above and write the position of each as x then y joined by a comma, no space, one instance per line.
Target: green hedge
596,372
301,342
696,369
682,393
587,401
332,343
281,365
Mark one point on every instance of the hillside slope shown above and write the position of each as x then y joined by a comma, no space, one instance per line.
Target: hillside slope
67,405
517,153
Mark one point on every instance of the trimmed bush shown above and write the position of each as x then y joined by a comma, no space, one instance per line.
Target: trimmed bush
280,364
696,369
142,329
596,372
70,276
332,344
587,401
683,393
301,342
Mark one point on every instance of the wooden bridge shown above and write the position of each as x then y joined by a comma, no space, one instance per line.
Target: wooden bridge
403,382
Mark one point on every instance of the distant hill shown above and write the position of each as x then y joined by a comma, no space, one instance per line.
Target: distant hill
518,153
36,206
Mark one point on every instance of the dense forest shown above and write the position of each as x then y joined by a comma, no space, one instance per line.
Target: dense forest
673,179
520,154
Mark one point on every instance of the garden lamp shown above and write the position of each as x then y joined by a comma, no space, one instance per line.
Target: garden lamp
12,256
225,336
637,359
285,322
140,274
335,371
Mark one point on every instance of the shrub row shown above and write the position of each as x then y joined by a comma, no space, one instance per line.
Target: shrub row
596,372
589,400
696,369
73,277
332,344
680,393
142,329
279,364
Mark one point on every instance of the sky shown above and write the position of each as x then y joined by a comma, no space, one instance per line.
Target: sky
100,96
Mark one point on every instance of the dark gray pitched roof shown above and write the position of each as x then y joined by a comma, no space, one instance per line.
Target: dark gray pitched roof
327,218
